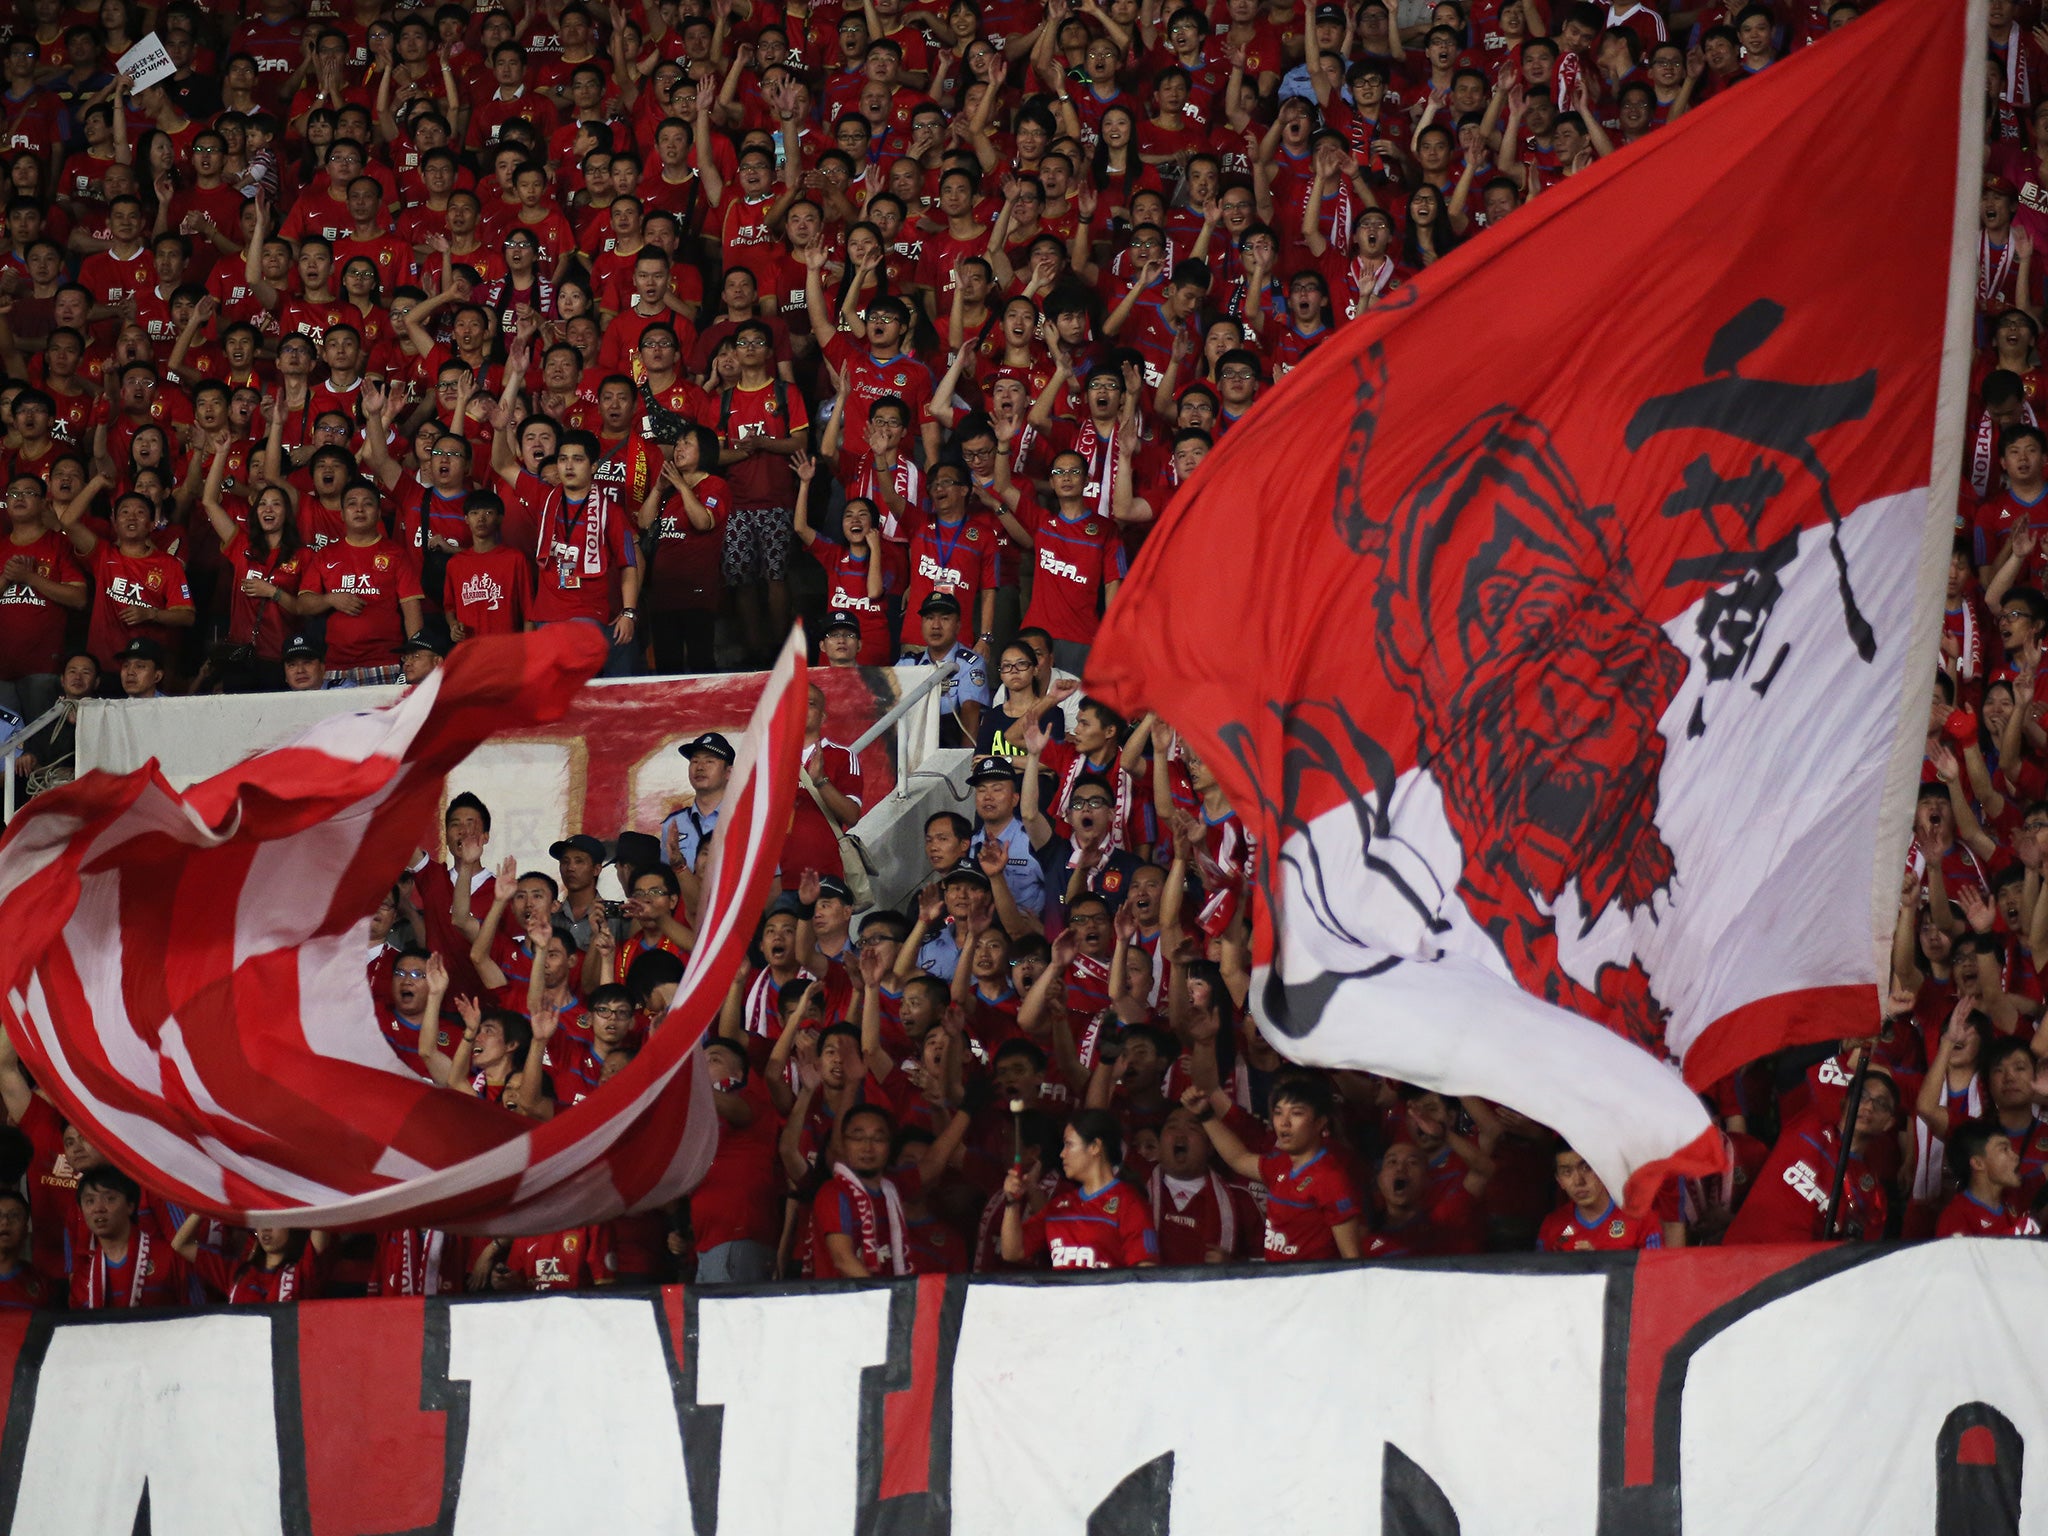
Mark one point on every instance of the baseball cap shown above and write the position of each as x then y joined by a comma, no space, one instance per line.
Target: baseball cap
710,742
970,873
835,888
142,648
2001,186
303,648
940,602
423,642
840,621
639,849
1333,14
990,770
582,842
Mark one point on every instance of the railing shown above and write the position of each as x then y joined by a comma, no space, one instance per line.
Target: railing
10,755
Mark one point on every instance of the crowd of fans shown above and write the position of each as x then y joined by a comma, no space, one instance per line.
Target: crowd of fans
365,331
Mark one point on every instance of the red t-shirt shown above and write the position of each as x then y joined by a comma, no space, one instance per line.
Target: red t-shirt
258,621
488,594
165,1279
740,1199
771,410
571,1260
811,843
685,563
382,575
1303,1205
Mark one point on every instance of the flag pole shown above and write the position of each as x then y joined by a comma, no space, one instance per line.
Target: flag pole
1848,1129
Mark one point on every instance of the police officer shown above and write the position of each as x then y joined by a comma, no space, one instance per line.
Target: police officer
996,785
684,834
965,694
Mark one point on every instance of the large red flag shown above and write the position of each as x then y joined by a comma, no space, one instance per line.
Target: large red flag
184,972
1565,627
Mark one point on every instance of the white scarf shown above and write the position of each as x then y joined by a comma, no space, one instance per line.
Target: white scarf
907,482
554,515
1120,790
1984,450
1991,281
1367,286
1100,450
420,1273
138,1268
1929,1164
1185,1191
1970,662
873,1253
763,1018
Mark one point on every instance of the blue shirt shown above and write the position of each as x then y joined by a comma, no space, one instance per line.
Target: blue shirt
967,686
1021,869
692,829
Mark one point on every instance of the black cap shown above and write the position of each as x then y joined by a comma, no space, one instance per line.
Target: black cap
142,648
303,648
1330,13
424,642
840,621
967,871
989,770
642,850
582,842
940,602
710,742
834,887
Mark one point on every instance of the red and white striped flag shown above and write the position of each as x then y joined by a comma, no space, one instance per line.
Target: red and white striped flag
1582,679
184,973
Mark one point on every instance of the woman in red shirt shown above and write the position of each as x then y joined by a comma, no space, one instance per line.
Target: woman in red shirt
281,1265
1094,1222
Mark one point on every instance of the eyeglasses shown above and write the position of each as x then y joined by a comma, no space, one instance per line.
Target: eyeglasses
414,974
1015,666
1238,375
616,1011
1092,803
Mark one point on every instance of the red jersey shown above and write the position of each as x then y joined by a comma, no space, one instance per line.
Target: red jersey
958,558
114,277
1194,1218
1109,1229
31,626
245,1284
149,1274
846,591
1564,1230
1788,1201
572,1260
22,1289
1072,562
488,594
144,581
902,376
772,410
1304,1205
581,543
382,575
1967,1216
259,621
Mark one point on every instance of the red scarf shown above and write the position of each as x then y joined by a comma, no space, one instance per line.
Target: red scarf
893,1256
138,1268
